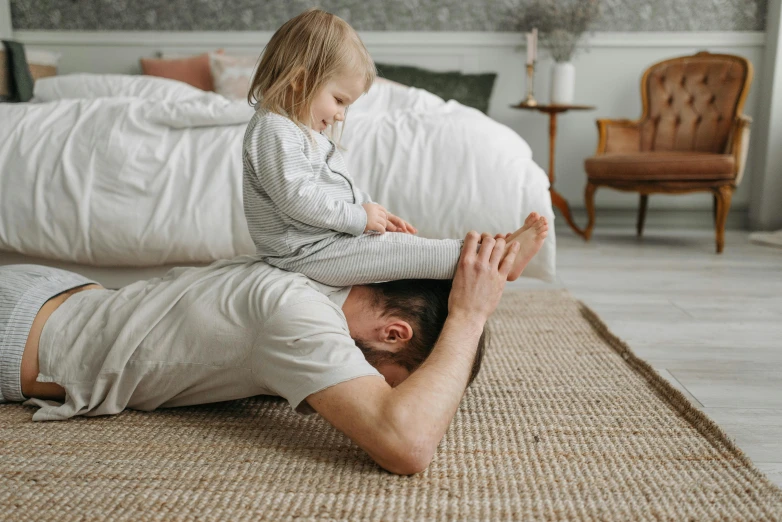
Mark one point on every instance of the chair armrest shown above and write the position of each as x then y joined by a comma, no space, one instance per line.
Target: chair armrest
618,136
738,144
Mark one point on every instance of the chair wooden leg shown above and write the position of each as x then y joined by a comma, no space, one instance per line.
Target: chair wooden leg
589,200
714,209
722,197
642,214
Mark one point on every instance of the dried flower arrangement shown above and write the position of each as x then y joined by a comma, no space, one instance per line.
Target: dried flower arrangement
560,23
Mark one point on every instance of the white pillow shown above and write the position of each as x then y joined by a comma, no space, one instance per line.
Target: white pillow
46,58
112,86
387,96
232,75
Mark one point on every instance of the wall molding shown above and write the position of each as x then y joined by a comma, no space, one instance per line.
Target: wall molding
397,39
607,77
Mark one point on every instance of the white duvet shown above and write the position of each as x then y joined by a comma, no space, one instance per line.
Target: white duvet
116,170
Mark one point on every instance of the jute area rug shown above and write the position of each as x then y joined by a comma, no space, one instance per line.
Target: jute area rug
564,423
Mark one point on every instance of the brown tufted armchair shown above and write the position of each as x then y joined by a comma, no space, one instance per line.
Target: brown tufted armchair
692,136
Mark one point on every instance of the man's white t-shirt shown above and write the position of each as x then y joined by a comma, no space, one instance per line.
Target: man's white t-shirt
231,330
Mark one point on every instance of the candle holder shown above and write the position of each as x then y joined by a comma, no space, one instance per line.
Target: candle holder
530,100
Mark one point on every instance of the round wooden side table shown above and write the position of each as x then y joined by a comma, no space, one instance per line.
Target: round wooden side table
552,110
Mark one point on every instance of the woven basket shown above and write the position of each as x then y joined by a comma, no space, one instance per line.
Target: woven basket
36,70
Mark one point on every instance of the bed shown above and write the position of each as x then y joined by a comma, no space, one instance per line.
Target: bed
136,173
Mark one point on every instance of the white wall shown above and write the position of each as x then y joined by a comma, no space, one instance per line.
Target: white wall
766,202
6,30
607,76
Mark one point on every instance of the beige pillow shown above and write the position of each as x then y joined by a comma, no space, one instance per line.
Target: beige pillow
42,64
232,75
193,70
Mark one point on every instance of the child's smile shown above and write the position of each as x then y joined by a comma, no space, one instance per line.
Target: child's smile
334,98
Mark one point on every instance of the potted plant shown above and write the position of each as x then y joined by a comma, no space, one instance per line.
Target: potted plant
560,24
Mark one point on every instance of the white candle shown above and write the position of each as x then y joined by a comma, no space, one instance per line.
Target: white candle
535,44
530,50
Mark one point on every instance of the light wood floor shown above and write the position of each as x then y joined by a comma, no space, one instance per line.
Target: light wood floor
711,325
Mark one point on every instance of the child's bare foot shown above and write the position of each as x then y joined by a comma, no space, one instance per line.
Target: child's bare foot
531,219
530,237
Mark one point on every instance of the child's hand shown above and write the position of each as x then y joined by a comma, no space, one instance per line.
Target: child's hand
400,225
377,218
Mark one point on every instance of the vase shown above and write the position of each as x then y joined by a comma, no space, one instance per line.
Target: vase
563,83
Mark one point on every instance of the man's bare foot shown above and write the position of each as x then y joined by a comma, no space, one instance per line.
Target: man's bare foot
530,237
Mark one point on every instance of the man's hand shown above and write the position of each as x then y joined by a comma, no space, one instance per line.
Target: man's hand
480,277
377,218
397,224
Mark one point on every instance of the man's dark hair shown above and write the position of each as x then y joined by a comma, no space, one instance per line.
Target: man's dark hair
423,303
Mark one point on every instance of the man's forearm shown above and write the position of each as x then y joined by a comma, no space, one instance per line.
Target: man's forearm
424,404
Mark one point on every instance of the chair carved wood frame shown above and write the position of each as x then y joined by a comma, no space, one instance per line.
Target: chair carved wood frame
691,136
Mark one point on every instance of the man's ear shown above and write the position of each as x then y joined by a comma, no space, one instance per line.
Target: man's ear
397,331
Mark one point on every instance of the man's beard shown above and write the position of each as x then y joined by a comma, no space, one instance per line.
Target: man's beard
373,356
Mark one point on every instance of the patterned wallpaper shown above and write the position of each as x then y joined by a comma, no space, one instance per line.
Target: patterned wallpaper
375,15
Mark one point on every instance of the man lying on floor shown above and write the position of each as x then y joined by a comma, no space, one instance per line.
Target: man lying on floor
241,328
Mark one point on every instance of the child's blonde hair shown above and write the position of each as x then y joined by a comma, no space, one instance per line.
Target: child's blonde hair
308,51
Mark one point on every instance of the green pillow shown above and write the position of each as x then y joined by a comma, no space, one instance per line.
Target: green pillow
473,90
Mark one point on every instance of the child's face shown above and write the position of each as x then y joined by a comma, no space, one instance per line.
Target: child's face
331,101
